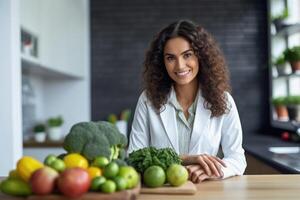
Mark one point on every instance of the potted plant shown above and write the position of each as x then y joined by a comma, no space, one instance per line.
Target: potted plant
281,65
293,105
281,108
280,20
293,56
54,128
39,132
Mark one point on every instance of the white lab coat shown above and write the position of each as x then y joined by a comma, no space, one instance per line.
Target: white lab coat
160,131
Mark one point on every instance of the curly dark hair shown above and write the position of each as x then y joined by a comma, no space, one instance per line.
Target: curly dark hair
213,74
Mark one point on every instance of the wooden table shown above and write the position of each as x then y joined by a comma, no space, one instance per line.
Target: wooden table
248,187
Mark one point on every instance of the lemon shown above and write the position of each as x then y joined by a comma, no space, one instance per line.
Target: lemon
76,160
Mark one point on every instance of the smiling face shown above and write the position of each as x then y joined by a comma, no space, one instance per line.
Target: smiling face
181,62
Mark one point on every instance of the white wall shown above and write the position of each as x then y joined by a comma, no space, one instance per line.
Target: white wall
10,86
41,153
68,97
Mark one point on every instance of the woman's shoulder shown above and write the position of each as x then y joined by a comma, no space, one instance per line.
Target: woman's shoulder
230,102
228,97
143,98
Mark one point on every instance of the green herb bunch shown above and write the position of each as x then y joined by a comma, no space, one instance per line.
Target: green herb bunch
148,156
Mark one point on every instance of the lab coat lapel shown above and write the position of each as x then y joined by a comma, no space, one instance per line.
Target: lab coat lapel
168,117
201,122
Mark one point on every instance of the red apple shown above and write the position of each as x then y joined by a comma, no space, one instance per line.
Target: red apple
74,182
42,181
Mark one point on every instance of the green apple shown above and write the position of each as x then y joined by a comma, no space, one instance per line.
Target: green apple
130,174
177,175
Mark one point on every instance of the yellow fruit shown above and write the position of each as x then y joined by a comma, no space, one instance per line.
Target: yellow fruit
76,160
26,166
94,172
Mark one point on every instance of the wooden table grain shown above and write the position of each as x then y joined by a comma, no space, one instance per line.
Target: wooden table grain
248,187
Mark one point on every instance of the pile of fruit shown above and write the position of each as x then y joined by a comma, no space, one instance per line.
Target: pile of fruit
71,176
94,160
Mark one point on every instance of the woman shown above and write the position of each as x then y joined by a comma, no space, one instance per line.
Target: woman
186,103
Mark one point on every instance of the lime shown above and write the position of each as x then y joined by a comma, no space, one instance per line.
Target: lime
108,186
154,176
120,182
130,174
15,187
177,175
100,162
58,165
50,159
111,170
97,182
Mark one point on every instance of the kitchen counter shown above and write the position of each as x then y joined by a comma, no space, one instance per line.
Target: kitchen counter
258,146
248,187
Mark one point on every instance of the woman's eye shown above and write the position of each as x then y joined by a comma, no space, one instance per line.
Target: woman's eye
170,58
187,55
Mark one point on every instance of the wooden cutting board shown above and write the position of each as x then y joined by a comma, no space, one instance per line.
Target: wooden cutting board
126,195
187,188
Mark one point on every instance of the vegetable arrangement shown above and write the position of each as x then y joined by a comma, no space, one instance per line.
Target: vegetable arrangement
146,157
158,166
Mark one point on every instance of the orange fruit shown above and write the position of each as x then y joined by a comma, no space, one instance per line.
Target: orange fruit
94,172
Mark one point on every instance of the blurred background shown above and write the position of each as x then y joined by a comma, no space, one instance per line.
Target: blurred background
67,61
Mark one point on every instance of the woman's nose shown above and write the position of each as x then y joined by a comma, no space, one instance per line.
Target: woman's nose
180,64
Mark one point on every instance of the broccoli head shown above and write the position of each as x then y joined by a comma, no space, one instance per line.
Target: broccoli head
92,139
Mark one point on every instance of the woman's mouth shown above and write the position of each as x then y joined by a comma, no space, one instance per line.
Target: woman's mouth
183,73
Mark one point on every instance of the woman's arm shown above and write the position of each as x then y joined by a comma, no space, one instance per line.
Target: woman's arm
201,167
233,163
231,142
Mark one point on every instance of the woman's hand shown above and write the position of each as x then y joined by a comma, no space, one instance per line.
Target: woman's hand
211,165
197,174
